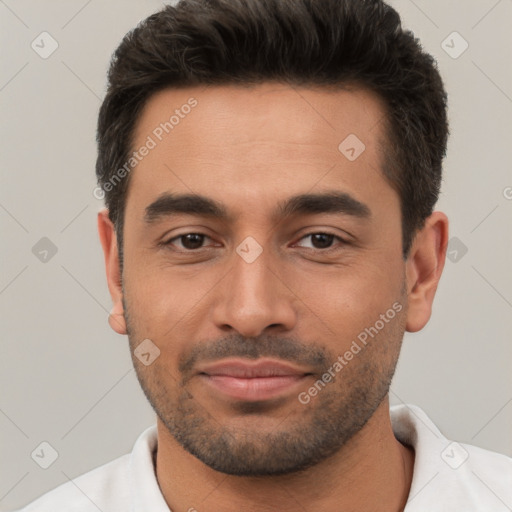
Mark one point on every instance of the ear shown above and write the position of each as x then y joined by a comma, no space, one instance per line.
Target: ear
108,240
424,267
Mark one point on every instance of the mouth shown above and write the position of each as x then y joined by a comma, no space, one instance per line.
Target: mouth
264,379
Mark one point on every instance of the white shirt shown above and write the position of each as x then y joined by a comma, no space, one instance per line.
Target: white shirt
448,476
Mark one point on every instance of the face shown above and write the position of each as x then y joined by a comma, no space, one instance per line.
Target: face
275,291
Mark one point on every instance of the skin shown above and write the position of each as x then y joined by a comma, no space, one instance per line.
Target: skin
250,148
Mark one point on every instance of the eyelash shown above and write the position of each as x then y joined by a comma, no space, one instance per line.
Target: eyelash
169,243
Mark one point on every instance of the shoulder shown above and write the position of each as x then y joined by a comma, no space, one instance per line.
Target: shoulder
89,492
112,486
449,475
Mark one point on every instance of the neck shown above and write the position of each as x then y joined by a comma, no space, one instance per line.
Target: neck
372,471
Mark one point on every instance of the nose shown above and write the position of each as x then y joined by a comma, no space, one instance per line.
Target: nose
253,297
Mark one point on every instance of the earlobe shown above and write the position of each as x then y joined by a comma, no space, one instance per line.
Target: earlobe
116,319
108,239
424,267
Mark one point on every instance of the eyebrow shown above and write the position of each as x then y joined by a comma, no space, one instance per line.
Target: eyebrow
168,204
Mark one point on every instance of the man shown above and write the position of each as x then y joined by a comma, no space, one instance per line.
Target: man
270,169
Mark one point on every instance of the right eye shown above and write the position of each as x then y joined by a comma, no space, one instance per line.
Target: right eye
187,242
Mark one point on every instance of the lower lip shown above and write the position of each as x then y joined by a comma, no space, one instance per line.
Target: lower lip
254,389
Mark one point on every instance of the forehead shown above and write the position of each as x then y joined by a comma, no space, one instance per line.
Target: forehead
257,143
296,114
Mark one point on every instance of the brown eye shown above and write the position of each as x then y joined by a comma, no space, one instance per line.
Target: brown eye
189,241
321,240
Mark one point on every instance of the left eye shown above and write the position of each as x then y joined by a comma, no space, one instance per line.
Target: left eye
321,240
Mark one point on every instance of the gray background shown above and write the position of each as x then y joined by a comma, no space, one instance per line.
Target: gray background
67,379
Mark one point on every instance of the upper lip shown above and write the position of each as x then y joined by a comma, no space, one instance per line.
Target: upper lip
244,369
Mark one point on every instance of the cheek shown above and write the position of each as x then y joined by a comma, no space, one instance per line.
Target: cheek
343,301
162,298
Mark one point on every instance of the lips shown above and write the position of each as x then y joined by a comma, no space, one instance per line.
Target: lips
241,379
